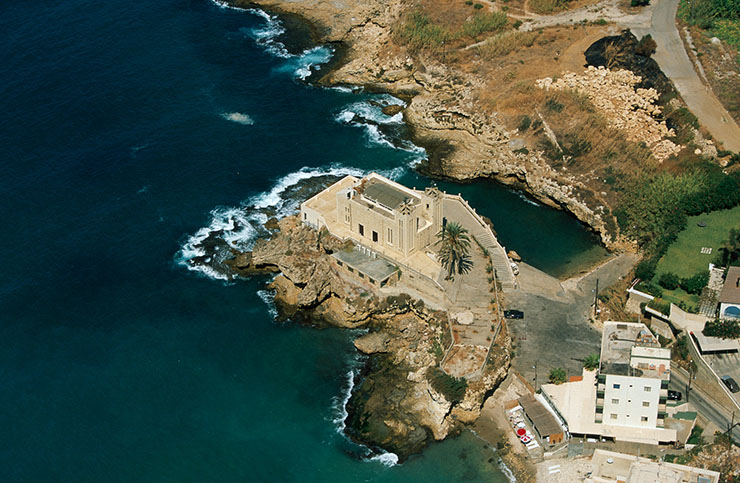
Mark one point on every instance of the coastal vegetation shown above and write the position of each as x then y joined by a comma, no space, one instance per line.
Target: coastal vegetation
454,248
591,362
452,388
421,31
557,375
724,329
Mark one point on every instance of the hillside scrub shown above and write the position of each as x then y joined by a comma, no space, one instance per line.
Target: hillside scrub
420,32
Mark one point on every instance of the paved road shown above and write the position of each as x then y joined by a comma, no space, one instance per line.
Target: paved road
675,63
556,331
705,405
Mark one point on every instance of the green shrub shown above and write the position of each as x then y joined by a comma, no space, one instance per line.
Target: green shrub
484,23
557,375
651,288
645,270
696,436
696,283
600,21
724,329
553,105
468,2
418,32
516,24
662,306
646,46
477,6
452,388
591,362
669,281
524,123
639,3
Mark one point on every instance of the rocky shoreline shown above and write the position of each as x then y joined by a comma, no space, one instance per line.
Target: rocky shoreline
396,404
463,143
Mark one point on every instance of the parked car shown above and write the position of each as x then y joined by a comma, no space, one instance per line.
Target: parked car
674,395
731,384
513,314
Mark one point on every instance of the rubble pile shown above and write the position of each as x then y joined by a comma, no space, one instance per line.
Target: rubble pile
625,107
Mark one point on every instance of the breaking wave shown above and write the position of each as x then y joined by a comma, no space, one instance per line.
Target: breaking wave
381,129
339,405
267,36
238,118
238,227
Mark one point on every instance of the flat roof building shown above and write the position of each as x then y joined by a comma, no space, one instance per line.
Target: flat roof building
608,466
626,399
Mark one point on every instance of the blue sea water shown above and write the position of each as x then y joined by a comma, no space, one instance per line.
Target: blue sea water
128,130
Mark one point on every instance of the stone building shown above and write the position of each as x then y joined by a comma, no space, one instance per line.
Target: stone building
378,213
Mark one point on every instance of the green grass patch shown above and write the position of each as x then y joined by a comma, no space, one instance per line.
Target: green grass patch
728,30
684,257
682,299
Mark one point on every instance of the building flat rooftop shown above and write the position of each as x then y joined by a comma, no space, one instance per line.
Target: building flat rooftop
386,194
374,267
715,344
617,341
610,466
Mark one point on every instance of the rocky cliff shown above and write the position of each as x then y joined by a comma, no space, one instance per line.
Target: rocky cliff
394,405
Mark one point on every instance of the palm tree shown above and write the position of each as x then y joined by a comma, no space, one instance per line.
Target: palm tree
591,362
453,252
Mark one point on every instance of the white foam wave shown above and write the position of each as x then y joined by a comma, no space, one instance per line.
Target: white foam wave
226,5
268,297
340,403
302,65
238,117
526,199
240,226
386,459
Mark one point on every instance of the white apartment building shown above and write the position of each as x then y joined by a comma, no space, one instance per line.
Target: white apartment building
626,399
633,377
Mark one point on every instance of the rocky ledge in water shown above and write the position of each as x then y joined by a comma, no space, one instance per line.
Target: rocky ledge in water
402,400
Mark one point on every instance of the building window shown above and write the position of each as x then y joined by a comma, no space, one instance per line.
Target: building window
646,404
362,229
371,280
616,386
360,274
417,223
615,401
613,416
375,236
648,388
351,270
305,216
390,236
339,263
644,419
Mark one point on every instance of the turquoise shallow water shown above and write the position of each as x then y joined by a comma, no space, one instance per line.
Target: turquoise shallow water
127,130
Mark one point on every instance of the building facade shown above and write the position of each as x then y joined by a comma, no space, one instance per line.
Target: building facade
378,213
633,378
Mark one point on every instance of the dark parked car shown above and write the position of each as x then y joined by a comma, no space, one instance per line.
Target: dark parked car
674,395
730,383
513,314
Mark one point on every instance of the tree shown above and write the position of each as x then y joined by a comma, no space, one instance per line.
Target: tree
669,280
453,252
724,329
557,375
696,283
729,252
646,46
591,362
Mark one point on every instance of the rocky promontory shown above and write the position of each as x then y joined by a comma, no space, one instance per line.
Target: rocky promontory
401,400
